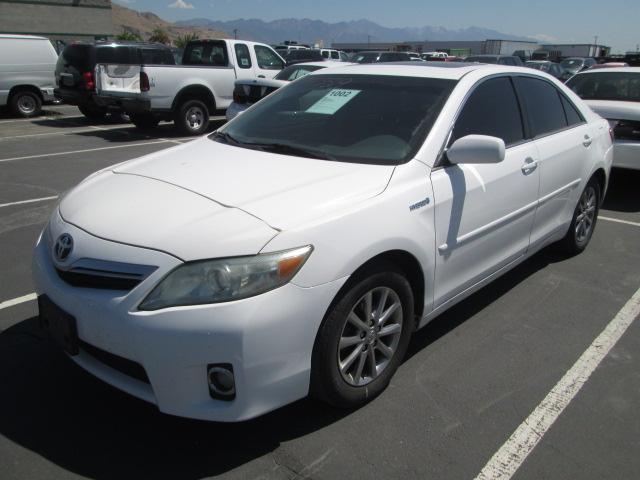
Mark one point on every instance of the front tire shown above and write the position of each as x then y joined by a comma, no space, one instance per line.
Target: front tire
192,117
26,104
363,338
584,219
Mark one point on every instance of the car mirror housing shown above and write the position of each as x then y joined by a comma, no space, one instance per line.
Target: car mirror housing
476,149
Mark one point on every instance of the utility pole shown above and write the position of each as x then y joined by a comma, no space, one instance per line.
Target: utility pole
368,39
235,33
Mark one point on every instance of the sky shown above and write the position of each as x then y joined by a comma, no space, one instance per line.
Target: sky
615,22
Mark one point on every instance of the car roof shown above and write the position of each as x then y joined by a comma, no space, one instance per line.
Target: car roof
443,70
611,70
22,37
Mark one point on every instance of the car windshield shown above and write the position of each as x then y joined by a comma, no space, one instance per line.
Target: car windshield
366,57
351,118
482,59
607,86
572,64
296,71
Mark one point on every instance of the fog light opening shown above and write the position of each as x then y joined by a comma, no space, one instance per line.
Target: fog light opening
222,384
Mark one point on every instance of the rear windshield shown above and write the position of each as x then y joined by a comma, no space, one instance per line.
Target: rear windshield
607,86
351,118
482,59
114,54
300,54
296,71
77,56
365,57
572,63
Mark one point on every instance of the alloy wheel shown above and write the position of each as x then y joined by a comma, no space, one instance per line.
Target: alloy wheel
370,336
586,214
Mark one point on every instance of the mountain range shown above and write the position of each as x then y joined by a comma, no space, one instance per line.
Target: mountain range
317,31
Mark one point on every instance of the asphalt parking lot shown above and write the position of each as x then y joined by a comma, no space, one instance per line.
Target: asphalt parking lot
470,379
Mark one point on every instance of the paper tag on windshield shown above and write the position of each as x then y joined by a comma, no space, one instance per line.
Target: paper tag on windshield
333,101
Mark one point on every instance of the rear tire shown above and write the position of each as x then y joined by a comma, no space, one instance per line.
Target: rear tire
192,117
144,121
584,219
26,104
92,111
347,348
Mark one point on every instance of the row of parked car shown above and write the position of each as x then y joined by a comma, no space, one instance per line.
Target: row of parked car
142,80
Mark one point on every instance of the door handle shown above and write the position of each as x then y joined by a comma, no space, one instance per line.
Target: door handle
587,141
529,166
261,76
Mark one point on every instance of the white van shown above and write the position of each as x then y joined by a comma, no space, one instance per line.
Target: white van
27,65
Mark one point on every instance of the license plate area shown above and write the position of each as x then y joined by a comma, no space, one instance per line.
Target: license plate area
58,325
67,80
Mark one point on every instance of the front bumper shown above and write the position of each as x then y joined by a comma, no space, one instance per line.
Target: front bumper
626,154
129,105
268,338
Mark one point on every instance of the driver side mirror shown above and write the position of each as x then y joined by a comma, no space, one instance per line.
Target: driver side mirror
476,149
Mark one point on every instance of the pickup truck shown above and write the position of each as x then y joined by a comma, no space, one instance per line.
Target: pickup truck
188,93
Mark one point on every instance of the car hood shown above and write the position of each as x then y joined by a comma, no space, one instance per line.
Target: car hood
148,213
615,110
282,190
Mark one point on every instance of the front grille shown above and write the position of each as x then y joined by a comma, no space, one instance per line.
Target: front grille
91,273
627,130
125,366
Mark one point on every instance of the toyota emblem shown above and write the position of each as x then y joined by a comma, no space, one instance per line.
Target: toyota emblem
63,247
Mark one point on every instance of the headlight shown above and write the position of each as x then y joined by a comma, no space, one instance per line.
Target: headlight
224,280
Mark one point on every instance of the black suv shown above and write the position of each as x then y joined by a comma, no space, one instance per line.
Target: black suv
75,81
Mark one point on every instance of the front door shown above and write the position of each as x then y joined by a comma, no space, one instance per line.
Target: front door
484,212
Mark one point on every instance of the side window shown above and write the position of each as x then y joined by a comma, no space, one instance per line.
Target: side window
542,102
573,116
492,109
325,54
335,55
267,58
344,57
243,55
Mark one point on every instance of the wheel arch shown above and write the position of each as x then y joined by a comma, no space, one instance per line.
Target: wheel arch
196,92
25,88
404,261
601,176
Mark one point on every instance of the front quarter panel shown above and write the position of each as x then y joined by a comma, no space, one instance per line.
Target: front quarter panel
400,218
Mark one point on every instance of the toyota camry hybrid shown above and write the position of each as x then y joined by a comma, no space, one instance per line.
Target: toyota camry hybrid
295,250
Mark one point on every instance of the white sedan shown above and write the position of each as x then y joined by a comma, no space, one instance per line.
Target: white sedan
614,94
297,249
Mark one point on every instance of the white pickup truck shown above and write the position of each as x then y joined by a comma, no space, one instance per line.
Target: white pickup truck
188,93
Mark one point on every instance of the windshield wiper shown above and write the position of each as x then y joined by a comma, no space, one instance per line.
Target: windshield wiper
287,149
227,138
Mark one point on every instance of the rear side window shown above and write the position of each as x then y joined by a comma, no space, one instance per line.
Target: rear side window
542,102
325,54
267,59
243,55
573,116
156,56
77,56
335,55
492,109
206,53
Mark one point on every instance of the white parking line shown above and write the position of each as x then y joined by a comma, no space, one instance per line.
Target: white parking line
17,301
516,449
32,200
91,128
129,145
617,220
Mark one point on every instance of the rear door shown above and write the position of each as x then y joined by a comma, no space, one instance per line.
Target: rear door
484,212
245,64
73,66
563,140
